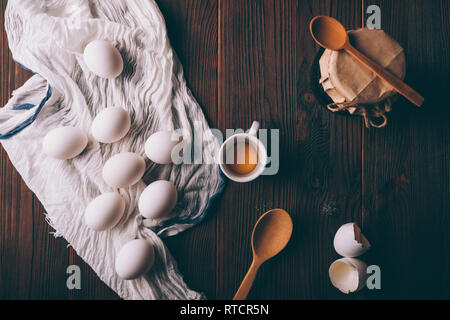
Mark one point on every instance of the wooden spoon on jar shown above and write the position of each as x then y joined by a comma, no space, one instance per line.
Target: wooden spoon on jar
330,34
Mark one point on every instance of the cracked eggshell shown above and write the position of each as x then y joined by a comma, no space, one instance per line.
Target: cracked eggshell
159,145
64,143
105,211
103,59
158,199
349,241
348,274
134,259
110,125
123,169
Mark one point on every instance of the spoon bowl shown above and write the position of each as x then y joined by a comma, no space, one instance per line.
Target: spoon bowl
270,235
328,32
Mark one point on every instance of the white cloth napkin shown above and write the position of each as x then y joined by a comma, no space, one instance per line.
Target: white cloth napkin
48,37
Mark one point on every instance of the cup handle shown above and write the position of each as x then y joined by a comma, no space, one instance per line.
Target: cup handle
254,128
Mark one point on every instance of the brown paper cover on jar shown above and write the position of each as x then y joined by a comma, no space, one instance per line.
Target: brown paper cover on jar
353,87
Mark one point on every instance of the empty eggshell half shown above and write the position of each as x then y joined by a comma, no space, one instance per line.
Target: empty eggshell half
64,143
158,199
105,211
159,145
103,59
123,169
348,274
134,259
111,125
349,241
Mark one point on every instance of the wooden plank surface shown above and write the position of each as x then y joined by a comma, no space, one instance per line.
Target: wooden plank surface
266,55
195,249
30,259
406,164
251,60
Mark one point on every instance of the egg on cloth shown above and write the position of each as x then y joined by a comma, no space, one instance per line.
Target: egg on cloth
349,241
105,211
103,59
123,170
348,274
135,259
64,142
159,145
158,199
111,125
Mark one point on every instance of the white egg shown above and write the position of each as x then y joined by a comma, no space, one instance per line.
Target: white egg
105,211
348,274
159,145
103,59
349,241
123,170
158,199
64,143
111,125
135,259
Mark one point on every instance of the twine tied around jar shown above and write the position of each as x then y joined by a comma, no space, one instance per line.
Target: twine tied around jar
368,113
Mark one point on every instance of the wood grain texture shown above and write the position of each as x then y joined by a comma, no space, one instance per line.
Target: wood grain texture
266,59
251,60
407,163
32,262
25,244
192,28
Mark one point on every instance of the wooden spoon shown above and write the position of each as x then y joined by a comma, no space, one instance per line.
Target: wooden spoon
330,34
270,235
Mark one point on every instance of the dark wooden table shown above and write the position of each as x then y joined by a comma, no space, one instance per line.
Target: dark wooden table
247,60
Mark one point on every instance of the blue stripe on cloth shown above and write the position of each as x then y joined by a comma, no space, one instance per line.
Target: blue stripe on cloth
193,221
23,67
30,120
27,106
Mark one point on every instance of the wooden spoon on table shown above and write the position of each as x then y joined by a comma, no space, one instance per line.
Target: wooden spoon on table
270,235
330,34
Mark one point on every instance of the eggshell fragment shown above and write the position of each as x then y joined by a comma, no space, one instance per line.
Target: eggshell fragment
348,274
64,143
158,199
159,145
103,59
349,241
105,211
134,259
111,125
123,170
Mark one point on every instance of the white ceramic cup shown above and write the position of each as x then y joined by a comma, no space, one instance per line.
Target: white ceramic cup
250,138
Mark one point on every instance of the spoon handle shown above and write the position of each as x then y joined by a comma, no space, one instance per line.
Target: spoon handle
399,86
247,283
